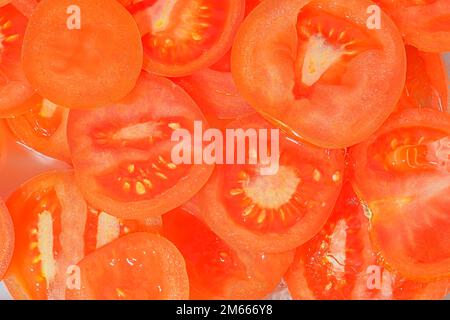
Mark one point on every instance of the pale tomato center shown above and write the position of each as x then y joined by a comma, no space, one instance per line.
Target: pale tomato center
272,192
319,56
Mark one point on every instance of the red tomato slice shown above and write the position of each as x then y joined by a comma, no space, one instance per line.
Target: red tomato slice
402,172
308,66
425,24
122,153
14,88
55,228
140,266
273,213
184,36
6,239
426,81
85,66
216,271
339,263
43,128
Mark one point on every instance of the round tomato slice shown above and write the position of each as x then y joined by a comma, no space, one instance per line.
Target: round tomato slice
140,266
89,57
43,128
426,81
6,239
55,228
425,24
216,271
402,172
340,263
308,67
184,36
14,87
275,212
122,154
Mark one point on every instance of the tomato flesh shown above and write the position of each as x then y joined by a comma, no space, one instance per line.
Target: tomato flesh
320,60
14,88
7,239
139,178
55,228
402,173
273,213
89,60
43,128
426,81
215,270
184,36
340,263
139,266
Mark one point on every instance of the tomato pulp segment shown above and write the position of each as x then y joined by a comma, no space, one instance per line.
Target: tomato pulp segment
424,24
402,172
82,53
184,36
122,154
14,87
55,228
43,128
340,263
273,213
426,81
140,266
217,271
311,66
6,239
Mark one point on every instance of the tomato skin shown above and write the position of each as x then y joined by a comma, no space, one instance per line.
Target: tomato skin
426,81
83,66
221,209
413,184
118,278
15,90
211,51
51,139
156,101
7,239
319,117
340,264
217,271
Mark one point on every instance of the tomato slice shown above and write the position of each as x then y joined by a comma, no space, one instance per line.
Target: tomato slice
426,81
85,66
140,266
122,153
402,172
273,213
216,271
6,239
55,228
425,24
340,263
307,66
184,36
14,87
43,128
